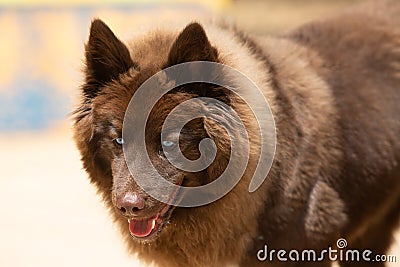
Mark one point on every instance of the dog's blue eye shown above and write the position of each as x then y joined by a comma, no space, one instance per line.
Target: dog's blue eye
168,143
119,141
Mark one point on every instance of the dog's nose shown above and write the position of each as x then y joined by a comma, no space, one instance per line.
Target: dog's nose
130,203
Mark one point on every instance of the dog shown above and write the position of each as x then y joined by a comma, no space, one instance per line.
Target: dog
333,87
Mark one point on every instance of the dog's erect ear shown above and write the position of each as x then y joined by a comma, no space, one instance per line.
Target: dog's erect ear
106,55
192,45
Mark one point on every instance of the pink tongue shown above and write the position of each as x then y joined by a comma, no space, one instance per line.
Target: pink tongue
141,228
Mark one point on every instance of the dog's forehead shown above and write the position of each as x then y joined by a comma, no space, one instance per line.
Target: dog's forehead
168,102
151,50
162,108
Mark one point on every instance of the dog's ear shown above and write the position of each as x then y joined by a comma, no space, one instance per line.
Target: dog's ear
192,45
106,56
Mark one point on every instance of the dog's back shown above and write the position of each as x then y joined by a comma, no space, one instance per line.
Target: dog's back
360,51
356,55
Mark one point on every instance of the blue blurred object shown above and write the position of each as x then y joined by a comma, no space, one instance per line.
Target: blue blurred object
33,105
42,48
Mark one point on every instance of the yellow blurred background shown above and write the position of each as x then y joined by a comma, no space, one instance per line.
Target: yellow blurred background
50,214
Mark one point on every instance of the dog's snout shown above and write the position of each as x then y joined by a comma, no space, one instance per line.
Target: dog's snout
130,203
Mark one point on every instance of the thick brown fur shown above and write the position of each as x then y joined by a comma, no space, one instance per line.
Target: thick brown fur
334,90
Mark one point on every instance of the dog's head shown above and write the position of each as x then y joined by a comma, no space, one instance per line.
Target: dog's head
113,73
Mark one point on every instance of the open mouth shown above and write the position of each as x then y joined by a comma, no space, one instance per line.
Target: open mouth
146,229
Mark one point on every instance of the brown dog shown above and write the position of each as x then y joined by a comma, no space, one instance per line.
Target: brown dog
334,90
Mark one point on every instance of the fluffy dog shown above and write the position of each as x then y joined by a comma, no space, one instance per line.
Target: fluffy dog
334,90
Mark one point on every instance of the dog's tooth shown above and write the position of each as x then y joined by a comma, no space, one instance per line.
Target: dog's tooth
153,224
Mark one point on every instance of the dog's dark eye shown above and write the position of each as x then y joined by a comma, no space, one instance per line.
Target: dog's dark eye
119,141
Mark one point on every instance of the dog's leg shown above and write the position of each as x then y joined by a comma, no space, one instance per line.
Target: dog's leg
255,263
252,260
377,238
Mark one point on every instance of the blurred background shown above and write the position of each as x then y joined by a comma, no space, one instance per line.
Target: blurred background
49,213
